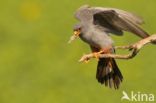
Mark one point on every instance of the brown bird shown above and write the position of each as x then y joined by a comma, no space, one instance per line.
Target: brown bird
96,25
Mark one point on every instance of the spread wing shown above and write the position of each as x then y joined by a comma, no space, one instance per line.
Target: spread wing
116,21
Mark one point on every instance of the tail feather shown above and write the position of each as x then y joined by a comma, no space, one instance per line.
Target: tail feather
108,73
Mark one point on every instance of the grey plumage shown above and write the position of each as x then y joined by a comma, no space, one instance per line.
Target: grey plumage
110,20
96,23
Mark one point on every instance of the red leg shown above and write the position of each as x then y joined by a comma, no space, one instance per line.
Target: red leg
96,52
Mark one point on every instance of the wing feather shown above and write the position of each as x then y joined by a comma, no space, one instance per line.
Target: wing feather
119,20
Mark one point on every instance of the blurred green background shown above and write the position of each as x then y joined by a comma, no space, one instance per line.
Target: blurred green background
38,66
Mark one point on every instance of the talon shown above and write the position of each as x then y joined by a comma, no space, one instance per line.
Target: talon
96,55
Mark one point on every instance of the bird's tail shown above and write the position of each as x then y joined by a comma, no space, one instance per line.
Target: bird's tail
108,73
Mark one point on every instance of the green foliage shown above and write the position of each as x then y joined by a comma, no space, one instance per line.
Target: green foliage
38,66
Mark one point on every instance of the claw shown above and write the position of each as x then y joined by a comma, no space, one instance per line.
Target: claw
96,54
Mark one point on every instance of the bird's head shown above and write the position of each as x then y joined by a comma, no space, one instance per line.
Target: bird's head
83,13
77,30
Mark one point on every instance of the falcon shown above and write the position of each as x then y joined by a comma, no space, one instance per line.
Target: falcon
95,26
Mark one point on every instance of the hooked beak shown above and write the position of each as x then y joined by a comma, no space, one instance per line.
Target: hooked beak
74,36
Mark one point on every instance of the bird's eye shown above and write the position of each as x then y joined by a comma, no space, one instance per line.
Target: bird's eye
77,29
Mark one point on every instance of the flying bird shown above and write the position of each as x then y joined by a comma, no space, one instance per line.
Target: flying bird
95,27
